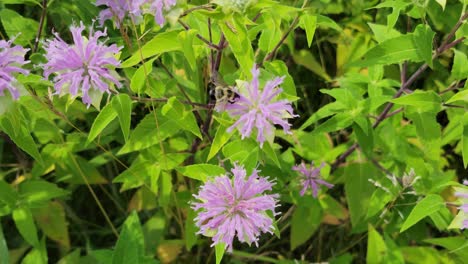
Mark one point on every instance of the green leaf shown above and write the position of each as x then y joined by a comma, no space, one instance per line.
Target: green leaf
25,224
427,206
220,139
140,172
21,136
309,23
381,33
7,194
271,153
460,65
184,119
123,106
3,248
364,135
396,6
423,101
140,77
459,96
22,30
107,115
464,139
391,51
337,122
151,130
161,43
130,247
219,252
51,220
201,172
358,191
36,192
307,214
376,248
186,39
271,33
236,34
442,3
423,37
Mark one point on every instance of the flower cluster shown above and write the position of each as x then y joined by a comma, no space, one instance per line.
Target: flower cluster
256,108
119,9
310,178
235,207
11,60
84,65
463,195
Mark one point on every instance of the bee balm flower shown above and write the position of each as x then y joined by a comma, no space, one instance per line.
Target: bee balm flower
11,60
310,178
119,9
463,195
235,207
257,109
86,64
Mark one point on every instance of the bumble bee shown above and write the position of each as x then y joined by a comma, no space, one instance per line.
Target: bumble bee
222,94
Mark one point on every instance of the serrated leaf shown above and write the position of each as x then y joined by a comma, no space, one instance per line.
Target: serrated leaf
123,107
140,77
183,118
130,246
427,206
391,51
201,172
337,122
153,128
423,37
161,43
103,119
309,23
236,34
51,220
423,101
25,223
22,30
460,65
220,139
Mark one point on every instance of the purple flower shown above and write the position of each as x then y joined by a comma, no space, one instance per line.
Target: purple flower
86,64
235,207
257,109
11,60
119,9
310,178
463,195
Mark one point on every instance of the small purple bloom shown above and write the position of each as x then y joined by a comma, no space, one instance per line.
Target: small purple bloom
310,178
237,206
463,195
257,109
84,65
11,60
119,9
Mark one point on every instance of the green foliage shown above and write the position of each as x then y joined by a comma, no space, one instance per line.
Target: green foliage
380,89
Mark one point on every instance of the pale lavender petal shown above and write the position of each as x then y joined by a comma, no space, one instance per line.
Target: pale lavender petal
86,64
256,109
11,61
235,207
310,178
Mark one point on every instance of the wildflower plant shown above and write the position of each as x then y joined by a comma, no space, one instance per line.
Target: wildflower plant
157,171
235,207
84,67
11,63
260,109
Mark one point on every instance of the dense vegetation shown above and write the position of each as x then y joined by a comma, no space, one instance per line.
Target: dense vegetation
163,131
